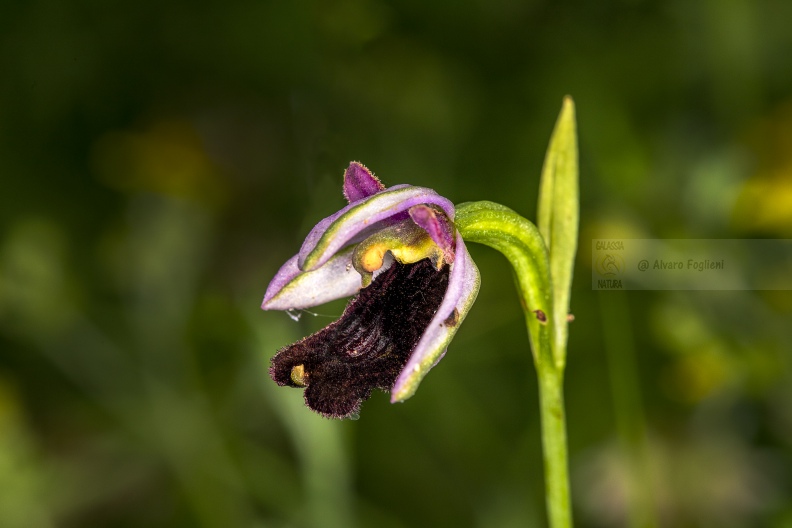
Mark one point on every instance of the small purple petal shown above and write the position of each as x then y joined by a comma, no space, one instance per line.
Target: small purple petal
463,286
293,288
359,182
341,228
439,227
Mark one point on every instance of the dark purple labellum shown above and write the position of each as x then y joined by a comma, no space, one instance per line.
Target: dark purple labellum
341,365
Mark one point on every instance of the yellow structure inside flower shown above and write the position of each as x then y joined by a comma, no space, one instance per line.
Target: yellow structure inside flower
298,376
406,241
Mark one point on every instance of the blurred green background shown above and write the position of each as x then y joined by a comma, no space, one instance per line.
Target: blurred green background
160,160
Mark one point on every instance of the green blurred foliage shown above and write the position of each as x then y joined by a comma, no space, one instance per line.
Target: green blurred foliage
160,160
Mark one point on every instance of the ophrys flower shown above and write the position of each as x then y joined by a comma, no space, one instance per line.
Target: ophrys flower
398,250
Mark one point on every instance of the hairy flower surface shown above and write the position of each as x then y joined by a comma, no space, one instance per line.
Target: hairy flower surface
398,250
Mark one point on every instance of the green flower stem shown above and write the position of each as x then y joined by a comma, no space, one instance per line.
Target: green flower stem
519,240
554,446
543,260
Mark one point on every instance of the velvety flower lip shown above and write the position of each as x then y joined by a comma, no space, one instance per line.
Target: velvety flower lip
399,245
366,348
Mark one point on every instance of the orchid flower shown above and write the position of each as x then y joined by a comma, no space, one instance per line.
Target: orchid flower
401,252
397,250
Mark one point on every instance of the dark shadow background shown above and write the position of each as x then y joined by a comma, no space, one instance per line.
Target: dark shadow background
160,160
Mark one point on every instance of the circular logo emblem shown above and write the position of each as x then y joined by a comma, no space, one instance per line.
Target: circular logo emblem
610,265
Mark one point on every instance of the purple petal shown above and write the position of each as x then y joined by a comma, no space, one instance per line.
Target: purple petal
360,183
339,229
293,288
463,286
439,227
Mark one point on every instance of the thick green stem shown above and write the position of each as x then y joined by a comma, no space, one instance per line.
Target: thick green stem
520,242
543,260
554,444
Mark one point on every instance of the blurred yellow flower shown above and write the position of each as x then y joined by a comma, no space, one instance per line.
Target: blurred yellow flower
166,158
